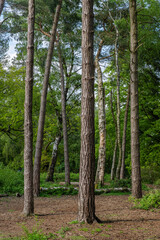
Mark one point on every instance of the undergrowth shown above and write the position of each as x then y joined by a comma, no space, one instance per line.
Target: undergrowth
149,201
10,181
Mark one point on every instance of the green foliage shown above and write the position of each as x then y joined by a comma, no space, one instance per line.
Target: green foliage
10,181
74,222
150,174
150,200
59,191
37,234
121,183
63,231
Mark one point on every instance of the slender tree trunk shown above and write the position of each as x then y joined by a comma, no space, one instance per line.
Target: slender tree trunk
28,132
124,135
2,2
118,107
41,121
118,100
86,198
64,121
102,123
135,146
114,159
53,160
116,142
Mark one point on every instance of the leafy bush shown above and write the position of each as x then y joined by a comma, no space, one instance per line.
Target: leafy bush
150,174
10,181
60,177
150,200
59,191
121,183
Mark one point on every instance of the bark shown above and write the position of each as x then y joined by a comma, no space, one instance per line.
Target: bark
102,123
64,120
135,146
86,198
116,142
118,100
28,132
41,121
2,2
118,106
53,160
124,135
114,160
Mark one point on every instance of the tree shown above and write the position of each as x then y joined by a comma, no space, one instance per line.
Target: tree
2,2
28,132
64,119
86,198
124,135
135,145
102,122
41,121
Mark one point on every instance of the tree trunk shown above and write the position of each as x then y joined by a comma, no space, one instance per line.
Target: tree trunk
118,99
86,198
102,123
28,132
53,160
118,107
114,160
41,121
2,2
124,135
116,142
135,146
64,121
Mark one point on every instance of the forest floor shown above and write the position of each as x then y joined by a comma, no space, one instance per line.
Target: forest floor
57,214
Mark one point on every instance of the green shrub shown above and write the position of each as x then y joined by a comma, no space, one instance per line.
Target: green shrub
121,183
150,174
10,181
157,182
59,191
150,200
60,177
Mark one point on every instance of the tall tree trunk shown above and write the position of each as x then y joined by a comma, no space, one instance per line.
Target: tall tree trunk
39,143
118,107
102,122
124,135
2,2
116,142
114,159
135,146
28,132
118,99
64,121
54,159
86,198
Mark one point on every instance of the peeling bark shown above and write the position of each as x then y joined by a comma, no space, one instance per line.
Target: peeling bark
102,123
53,160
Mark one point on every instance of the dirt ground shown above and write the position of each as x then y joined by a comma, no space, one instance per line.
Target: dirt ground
55,215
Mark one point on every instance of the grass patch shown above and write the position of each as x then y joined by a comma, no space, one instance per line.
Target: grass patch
74,222
63,231
84,229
